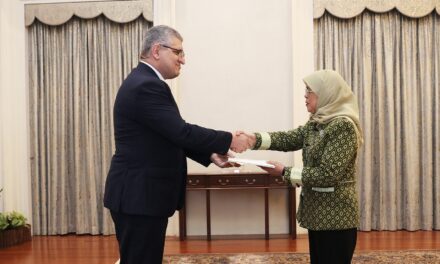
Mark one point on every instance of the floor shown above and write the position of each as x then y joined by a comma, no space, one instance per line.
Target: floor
70,249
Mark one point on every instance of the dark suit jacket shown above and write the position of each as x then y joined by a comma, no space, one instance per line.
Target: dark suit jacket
148,171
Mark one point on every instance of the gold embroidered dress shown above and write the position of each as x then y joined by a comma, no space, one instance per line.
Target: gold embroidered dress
329,141
329,160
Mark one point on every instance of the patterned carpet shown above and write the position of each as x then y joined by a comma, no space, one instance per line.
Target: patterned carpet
395,257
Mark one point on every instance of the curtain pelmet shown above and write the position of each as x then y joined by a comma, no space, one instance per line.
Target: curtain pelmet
350,8
117,11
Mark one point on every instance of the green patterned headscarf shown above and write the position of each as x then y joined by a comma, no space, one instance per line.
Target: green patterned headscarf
335,99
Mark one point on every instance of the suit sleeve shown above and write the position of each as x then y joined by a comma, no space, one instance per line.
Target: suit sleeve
202,158
158,111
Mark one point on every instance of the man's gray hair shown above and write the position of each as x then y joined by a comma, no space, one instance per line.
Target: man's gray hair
158,34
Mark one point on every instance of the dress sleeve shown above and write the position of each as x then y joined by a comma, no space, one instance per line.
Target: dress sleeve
281,141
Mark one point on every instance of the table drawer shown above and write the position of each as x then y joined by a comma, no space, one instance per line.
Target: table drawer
276,181
196,181
237,181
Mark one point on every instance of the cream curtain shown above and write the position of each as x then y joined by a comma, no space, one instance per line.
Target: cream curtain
74,72
392,63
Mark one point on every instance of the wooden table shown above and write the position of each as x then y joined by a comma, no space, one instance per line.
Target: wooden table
234,181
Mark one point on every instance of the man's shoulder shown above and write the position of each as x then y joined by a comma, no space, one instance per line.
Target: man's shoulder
141,76
143,71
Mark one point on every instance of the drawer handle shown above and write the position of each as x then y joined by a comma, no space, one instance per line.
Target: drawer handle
278,181
190,182
250,183
223,183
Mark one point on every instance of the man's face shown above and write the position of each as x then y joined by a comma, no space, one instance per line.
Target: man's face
171,58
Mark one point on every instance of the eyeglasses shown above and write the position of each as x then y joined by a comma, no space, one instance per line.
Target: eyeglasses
178,52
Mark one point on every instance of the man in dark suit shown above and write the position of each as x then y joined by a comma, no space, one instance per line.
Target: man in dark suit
147,177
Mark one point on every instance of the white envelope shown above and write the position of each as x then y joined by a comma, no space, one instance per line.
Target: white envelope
261,163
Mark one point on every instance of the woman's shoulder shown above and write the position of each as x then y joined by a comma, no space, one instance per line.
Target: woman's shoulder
341,123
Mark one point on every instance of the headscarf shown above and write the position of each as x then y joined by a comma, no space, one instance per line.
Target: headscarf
335,99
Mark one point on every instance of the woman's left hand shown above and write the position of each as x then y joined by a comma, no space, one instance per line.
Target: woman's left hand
277,171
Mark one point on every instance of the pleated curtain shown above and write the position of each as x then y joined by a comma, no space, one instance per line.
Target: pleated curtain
75,70
392,63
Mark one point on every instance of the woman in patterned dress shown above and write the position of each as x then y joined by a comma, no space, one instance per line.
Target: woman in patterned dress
330,141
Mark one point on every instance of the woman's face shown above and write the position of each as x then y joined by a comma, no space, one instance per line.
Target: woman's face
311,100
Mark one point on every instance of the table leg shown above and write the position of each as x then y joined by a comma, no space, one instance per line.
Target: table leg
182,223
208,214
266,213
292,211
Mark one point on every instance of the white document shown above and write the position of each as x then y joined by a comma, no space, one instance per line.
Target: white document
261,163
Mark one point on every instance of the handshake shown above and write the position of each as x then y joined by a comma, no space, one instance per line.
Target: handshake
241,142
